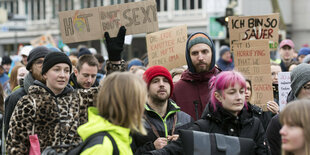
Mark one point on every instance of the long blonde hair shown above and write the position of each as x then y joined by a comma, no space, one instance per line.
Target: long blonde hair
121,100
297,113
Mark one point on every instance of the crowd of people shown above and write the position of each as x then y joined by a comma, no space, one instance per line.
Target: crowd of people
82,104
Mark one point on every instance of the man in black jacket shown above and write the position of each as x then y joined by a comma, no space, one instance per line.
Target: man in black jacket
34,66
85,73
163,117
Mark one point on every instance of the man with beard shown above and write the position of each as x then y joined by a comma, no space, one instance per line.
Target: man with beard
85,73
192,90
163,117
34,66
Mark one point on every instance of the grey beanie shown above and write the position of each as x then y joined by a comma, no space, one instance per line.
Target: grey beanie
306,59
36,53
300,75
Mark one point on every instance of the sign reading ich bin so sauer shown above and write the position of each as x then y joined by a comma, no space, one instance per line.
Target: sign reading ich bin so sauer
92,23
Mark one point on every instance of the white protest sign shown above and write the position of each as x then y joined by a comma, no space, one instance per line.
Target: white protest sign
284,80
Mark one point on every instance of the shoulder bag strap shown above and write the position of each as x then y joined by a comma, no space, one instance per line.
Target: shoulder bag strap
152,126
175,119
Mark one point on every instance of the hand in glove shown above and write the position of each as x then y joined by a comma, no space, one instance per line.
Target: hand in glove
115,45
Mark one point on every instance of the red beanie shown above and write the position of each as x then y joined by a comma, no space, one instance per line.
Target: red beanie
154,71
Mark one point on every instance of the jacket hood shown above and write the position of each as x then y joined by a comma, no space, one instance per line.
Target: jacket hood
66,90
96,124
28,81
191,68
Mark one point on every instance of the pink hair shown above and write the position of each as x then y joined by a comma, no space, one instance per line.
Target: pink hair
222,81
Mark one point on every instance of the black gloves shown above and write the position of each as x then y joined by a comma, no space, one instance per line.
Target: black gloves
115,45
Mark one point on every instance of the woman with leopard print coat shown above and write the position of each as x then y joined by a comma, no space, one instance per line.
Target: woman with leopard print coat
54,110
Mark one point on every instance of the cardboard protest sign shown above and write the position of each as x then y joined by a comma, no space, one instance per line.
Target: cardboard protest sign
43,40
284,81
167,47
252,60
242,28
92,23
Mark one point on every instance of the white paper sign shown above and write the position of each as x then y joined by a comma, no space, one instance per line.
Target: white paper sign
284,80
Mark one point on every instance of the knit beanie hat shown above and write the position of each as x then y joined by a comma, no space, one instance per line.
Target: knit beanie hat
134,62
306,59
83,51
36,53
300,75
54,58
196,38
6,60
223,50
304,51
154,71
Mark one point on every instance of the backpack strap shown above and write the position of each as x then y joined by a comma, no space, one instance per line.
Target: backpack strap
92,140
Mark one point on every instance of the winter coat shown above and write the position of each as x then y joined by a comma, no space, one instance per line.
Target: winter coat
244,125
273,135
12,99
263,116
164,126
224,65
97,124
55,118
191,89
73,82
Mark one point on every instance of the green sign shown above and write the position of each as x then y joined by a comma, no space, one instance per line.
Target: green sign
216,30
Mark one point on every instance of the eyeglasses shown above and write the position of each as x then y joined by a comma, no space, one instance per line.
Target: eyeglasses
307,87
38,62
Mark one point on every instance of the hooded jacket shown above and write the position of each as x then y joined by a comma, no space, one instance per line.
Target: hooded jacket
163,126
191,92
54,118
97,124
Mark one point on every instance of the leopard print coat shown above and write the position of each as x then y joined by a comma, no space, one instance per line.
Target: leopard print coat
55,119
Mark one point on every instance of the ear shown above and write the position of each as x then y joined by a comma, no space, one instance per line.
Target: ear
75,71
218,96
44,76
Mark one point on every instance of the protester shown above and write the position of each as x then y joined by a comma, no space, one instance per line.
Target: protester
292,66
6,64
300,88
14,80
3,76
275,70
53,110
307,59
118,113
85,73
83,51
226,114
24,52
101,64
295,131
303,52
191,92
225,63
286,53
133,63
176,74
34,66
264,116
163,117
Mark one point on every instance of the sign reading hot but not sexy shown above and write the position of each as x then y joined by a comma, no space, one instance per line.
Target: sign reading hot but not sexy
92,23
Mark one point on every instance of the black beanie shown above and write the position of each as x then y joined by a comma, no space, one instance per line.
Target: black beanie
54,58
36,53
6,60
83,51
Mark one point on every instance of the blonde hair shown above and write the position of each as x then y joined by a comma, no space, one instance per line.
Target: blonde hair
121,100
297,113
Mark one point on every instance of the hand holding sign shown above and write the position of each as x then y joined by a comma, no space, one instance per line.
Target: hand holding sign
115,45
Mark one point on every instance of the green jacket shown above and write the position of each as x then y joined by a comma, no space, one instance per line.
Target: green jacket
96,124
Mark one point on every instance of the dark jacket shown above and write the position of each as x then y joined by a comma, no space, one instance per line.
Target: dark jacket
73,82
224,65
221,121
263,116
273,135
164,126
192,90
12,99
